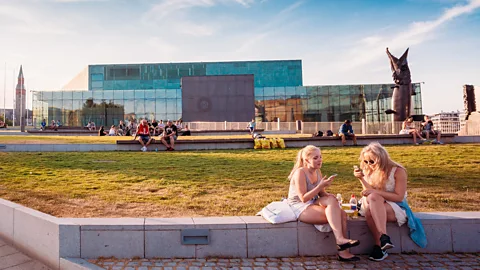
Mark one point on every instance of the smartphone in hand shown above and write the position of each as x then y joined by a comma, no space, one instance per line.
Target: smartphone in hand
332,176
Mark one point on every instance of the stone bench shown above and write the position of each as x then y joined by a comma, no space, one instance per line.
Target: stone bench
247,143
49,239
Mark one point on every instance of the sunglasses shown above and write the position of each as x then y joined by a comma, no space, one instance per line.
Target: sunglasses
371,162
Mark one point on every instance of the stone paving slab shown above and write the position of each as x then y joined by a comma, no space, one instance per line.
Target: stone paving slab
12,259
394,261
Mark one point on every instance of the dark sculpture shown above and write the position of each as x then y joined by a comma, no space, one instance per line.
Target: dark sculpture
469,100
401,98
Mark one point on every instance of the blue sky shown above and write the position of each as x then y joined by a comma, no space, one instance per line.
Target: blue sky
339,42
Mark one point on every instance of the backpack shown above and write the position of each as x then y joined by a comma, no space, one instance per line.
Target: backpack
329,133
318,134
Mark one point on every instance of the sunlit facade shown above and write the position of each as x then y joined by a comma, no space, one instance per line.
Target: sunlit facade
135,91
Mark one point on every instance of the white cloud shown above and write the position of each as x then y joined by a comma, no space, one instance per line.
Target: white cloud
245,3
29,22
372,48
178,14
167,7
272,26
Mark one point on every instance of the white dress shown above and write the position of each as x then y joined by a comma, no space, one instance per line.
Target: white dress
390,187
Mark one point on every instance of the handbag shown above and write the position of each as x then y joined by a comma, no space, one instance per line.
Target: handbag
278,212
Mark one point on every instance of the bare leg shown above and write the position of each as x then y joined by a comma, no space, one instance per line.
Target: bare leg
343,139
414,137
354,139
149,141
376,205
378,213
419,135
317,214
172,142
141,141
334,213
165,142
438,135
372,227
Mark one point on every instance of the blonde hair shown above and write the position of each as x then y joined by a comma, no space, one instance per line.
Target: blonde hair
303,154
384,162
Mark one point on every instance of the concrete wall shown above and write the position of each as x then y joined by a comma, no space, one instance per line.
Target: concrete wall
219,144
52,240
38,235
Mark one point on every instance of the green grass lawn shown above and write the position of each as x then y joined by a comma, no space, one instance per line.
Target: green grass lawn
219,183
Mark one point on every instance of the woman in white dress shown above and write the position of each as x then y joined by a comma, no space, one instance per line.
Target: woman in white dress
313,205
384,186
408,127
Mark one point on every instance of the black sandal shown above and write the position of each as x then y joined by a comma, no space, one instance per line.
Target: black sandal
349,244
352,259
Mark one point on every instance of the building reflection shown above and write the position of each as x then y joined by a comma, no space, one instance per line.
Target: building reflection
331,103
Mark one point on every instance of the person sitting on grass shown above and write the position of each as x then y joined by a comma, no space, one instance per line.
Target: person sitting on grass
313,205
144,133
59,124
384,183
102,132
346,132
427,129
408,127
170,134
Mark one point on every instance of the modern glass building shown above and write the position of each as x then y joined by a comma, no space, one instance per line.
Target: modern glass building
107,94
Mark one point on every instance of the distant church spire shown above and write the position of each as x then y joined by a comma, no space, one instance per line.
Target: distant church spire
20,98
20,77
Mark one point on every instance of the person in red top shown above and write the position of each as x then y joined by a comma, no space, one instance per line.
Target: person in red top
144,133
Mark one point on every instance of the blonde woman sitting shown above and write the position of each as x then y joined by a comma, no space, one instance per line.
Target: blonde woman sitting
312,204
384,183
409,128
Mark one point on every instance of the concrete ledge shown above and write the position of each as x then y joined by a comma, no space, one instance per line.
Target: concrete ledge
223,144
55,241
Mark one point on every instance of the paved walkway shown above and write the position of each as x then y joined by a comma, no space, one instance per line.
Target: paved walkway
394,261
12,259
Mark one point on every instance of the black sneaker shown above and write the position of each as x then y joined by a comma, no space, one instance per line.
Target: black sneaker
378,254
385,242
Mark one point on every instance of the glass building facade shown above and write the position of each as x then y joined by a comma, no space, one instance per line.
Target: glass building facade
135,91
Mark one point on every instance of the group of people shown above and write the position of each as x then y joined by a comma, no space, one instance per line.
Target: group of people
384,184
408,127
426,129
169,134
53,125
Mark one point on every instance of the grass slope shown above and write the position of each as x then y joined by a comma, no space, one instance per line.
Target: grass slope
219,183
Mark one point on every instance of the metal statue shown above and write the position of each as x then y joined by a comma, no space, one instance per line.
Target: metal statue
401,98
